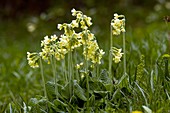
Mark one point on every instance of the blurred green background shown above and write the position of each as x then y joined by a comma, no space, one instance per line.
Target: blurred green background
24,23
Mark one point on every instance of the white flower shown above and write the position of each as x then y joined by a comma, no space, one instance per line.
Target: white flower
73,11
54,38
118,24
116,16
46,40
59,26
78,66
33,59
117,59
117,54
88,20
74,23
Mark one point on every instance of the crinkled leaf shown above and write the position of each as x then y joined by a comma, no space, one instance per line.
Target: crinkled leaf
58,102
50,87
96,85
65,91
79,92
102,93
92,100
104,77
59,106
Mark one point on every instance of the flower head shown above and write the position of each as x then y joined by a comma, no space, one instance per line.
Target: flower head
118,24
78,66
117,54
33,59
73,11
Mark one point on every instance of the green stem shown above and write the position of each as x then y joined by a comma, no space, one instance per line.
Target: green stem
86,71
42,76
64,68
53,63
124,50
75,59
71,66
168,37
69,73
97,66
110,53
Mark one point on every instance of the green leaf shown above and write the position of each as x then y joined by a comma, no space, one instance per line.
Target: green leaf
147,109
102,93
33,101
59,105
75,111
79,92
58,102
97,85
65,91
104,77
92,100
50,87
109,87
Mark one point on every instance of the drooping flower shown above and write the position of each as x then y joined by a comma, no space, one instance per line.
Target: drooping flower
33,59
78,66
74,23
118,24
117,54
58,47
73,11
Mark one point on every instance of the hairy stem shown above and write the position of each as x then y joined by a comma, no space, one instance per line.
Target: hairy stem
110,53
124,50
53,63
42,76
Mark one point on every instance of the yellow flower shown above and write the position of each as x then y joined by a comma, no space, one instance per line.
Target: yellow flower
33,59
74,23
73,11
46,40
118,24
78,66
117,54
54,38
88,21
59,26
136,111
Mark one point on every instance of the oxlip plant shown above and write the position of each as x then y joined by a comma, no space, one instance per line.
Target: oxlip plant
55,49
117,26
79,85
77,77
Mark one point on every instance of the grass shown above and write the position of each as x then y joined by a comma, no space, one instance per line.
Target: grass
146,85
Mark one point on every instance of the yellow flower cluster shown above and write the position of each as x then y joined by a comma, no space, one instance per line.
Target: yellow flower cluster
50,47
81,19
58,47
33,59
118,24
117,54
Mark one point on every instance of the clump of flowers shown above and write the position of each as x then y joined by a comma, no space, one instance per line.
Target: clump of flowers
58,47
117,54
33,59
118,24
